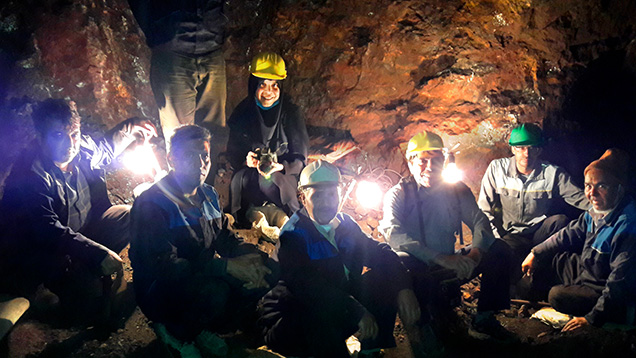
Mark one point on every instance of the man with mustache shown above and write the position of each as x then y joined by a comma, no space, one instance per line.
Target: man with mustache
335,280
423,215
193,277
588,269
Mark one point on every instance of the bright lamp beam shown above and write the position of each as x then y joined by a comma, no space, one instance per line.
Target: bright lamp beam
369,194
452,174
141,160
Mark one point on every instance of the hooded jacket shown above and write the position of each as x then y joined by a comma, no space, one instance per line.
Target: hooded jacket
252,128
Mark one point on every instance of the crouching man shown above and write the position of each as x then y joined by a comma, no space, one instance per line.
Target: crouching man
323,296
192,275
59,234
422,215
589,267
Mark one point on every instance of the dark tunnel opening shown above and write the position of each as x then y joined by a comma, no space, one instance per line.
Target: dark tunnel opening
601,107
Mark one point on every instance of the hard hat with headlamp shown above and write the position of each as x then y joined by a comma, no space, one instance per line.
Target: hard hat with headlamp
319,172
268,65
424,141
527,134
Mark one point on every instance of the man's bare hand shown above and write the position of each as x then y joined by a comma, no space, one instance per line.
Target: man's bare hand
527,266
251,160
249,269
367,327
462,265
575,323
111,263
408,307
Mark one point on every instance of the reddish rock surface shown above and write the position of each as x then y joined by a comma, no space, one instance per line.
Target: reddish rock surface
381,70
387,69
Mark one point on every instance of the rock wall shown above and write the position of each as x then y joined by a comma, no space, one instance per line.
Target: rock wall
469,70
383,70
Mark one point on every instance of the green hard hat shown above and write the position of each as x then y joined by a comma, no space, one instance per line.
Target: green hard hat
526,134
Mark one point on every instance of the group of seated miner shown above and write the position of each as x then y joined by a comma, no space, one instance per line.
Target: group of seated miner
327,280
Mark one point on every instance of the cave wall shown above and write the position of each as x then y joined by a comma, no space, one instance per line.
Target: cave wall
383,70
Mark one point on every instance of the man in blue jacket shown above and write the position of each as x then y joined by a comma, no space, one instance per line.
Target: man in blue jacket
589,266
323,296
193,276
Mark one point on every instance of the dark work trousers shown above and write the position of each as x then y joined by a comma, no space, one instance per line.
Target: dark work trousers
321,331
429,280
522,244
112,229
559,280
249,188
71,276
218,304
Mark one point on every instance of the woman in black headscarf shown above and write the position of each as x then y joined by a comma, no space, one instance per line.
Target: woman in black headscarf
266,124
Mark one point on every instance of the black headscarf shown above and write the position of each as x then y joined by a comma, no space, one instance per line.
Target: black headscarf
272,133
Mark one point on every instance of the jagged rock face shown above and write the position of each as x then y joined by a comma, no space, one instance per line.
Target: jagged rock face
89,51
469,70
384,70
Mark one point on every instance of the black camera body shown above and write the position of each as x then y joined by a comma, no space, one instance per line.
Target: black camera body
267,158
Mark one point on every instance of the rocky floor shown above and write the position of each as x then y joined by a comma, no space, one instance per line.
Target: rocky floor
132,335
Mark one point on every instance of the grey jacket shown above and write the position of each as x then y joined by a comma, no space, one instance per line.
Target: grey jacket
522,207
424,221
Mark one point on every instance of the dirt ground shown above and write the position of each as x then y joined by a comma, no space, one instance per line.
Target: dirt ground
131,335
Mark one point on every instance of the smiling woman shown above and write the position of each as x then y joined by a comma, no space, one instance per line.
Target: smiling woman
266,121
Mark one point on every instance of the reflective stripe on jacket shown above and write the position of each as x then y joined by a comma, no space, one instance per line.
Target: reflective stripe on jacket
524,206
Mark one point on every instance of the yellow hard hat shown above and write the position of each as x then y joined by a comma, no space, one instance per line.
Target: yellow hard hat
268,65
319,172
424,141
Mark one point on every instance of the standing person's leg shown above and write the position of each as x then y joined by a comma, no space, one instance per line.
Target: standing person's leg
211,88
173,80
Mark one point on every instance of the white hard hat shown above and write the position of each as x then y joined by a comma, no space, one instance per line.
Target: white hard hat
319,172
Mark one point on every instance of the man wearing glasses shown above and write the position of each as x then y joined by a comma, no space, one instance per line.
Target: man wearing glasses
519,195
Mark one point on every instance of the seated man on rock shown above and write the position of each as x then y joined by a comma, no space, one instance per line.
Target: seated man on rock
60,233
589,267
520,195
422,215
335,280
193,276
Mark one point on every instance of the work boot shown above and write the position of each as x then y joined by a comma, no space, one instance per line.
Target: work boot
485,326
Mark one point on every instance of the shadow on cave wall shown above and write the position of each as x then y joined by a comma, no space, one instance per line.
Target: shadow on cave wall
598,112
